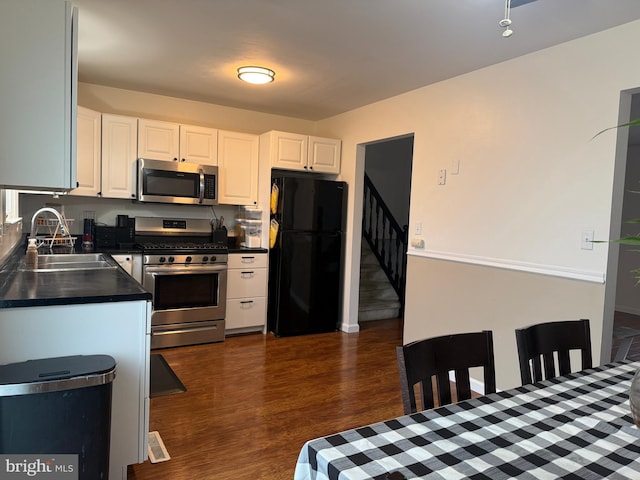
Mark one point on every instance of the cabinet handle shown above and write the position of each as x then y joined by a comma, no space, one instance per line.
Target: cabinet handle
246,301
175,159
247,274
248,259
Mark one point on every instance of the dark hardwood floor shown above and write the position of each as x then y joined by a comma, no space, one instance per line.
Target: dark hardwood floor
252,401
632,321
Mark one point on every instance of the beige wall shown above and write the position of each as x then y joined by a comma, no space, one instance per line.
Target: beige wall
453,297
158,107
531,179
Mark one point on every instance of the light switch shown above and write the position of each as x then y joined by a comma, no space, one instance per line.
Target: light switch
419,228
587,240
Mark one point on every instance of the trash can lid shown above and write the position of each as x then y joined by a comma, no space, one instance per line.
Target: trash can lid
57,368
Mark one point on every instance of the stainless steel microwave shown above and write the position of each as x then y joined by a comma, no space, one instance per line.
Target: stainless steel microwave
161,181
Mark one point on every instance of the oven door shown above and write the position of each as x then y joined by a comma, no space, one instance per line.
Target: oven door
185,294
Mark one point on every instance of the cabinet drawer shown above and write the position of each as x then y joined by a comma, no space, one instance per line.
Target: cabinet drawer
247,282
242,260
245,312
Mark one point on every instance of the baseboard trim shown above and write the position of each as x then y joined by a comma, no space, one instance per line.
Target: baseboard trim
629,310
476,385
345,327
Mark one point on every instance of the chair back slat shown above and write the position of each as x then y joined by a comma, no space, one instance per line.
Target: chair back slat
547,340
549,365
422,361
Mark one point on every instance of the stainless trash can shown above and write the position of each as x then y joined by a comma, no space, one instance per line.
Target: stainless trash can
59,405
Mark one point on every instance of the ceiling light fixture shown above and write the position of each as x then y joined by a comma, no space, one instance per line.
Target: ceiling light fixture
506,21
256,75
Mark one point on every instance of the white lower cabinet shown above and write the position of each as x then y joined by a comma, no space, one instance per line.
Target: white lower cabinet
130,263
119,329
246,292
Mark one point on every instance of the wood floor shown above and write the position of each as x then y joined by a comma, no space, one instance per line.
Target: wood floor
252,401
632,321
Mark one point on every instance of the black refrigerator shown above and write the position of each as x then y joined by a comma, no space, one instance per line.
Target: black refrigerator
305,262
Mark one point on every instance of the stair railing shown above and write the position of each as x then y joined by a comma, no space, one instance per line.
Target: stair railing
387,239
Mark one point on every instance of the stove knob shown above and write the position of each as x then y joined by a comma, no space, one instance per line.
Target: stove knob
162,259
171,259
205,258
213,259
188,259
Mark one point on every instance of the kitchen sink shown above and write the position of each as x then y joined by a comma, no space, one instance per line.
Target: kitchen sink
71,262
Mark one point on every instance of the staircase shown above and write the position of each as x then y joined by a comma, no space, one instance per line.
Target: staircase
378,299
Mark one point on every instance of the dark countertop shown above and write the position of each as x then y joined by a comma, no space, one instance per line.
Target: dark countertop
30,289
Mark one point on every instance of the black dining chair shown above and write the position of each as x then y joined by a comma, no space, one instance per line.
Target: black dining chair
421,361
539,344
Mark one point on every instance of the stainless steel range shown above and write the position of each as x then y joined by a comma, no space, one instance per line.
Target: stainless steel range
187,275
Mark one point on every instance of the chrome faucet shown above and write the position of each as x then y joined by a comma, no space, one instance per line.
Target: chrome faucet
61,222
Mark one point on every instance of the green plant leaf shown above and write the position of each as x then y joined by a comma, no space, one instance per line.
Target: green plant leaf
632,123
630,240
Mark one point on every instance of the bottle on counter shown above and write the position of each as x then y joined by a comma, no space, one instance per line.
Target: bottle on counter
31,258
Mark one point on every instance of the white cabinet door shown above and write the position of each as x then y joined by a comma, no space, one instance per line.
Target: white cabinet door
246,292
158,140
237,168
289,150
119,148
246,313
324,155
130,263
198,145
125,261
88,154
247,282
38,86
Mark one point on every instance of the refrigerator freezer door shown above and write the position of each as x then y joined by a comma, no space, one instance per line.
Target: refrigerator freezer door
304,290
308,204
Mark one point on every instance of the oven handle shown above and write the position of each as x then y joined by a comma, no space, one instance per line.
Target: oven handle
187,330
201,172
175,270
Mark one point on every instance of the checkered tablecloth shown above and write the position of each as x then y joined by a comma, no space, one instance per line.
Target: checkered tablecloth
573,427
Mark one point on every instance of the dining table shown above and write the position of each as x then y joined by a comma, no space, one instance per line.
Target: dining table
577,426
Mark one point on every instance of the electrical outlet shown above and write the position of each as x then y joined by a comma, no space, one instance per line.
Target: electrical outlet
454,167
587,240
442,176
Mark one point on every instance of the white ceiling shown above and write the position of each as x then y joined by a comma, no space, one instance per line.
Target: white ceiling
330,56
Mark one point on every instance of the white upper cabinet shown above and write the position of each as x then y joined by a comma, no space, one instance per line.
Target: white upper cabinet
88,153
169,141
119,148
237,168
289,150
198,145
38,86
324,155
293,151
158,140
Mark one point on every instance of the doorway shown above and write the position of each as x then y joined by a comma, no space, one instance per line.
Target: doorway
385,213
